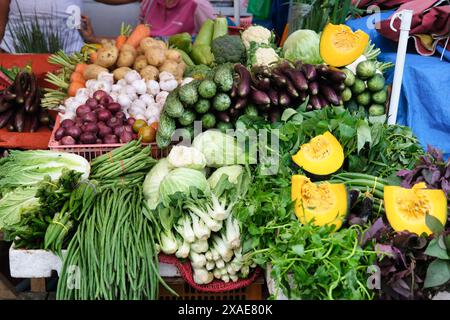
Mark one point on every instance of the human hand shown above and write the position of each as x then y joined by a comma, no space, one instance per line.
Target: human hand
86,30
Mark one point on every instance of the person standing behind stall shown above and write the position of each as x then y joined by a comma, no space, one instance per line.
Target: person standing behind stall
14,12
169,17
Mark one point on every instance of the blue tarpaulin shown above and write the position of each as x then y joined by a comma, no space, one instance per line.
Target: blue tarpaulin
425,96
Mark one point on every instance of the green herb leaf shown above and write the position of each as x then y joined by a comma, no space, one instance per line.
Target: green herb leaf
434,224
438,273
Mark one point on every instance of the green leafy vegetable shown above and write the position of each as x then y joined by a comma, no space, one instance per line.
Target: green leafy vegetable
303,45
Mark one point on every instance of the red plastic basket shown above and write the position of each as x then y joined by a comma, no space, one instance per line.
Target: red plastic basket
90,151
215,286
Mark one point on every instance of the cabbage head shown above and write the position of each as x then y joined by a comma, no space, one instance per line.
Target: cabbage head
153,180
303,45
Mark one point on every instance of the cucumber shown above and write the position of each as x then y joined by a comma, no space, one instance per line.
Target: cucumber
376,110
366,69
224,126
350,79
380,97
363,99
204,36
346,94
208,121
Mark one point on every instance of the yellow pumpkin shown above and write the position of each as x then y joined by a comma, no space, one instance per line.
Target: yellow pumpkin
340,46
322,203
321,156
406,209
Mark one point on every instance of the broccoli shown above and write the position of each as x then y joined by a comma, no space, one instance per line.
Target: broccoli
228,49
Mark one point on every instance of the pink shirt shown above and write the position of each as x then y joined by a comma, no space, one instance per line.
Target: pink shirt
182,16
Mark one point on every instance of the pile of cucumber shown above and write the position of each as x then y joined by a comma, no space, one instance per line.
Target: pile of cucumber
366,88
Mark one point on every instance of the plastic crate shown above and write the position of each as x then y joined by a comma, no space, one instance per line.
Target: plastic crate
90,151
254,291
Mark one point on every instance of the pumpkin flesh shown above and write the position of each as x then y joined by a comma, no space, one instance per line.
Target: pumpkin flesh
340,46
406,209
322,156
322,203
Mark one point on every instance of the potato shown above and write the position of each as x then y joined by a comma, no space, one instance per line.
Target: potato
181,67
127,56
146,43
92,71
155,56
140,63
173,55
169,66
120,73
107,56
149,73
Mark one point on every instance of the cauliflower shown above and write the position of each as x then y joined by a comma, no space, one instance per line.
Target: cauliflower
257,34
265,57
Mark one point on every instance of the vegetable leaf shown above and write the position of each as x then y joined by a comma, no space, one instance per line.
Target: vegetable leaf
438,273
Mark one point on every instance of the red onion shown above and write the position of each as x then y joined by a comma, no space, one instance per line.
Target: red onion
67,123
60,133
104,131
88,138
90,117
114,107
118,130
99,141
128,128
90,127
131,121
74,132
113,122
82,110
120,115
91,102
68,140
126,137
99,94
106,100
104,115
110,139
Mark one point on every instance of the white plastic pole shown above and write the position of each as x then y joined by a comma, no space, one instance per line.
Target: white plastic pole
237,12
405,16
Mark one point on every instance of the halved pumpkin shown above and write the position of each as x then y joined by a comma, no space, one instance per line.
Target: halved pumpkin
322,203
340,46
321,156
406,209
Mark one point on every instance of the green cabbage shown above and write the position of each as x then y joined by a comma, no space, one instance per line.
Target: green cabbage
303,45
14,203
220,149
184,181
153,180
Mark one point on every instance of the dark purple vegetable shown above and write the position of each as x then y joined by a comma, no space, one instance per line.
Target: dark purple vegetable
223,116
262,83
5,105
110,139
113,122
298,64
34,123
323,101
74,132
309,71
90,117
92,103
330,94
20,85
68,141
240,103
322,70
234,89
313,88
104,115
5,117
60,133
128,128
118,130
297,78
99,141
130,121
114,107
283,99
99,95
279,79
303,96
259,97
90,127
291,90
78,123
126,137
8,96
44,117
83,109
19,120
103,131
244,80
67,123
338,87
275,115
88,138
336,75
315,102
273,95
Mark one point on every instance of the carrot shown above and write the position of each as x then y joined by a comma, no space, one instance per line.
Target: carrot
73,88
77,77
80,68
140,32
93,56
120,41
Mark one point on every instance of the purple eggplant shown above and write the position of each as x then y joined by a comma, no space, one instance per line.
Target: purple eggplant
21,85
323,101
259,97
244,80
19,120
298,65
273,95
291,90
313,88
262,83
309,71
5,105
5,117
338,87
275,115
34,123
315,102
297,78
234,89
224,116
31,103
336,75
279,79
241,103
303,96
284,99
330,94
322,70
